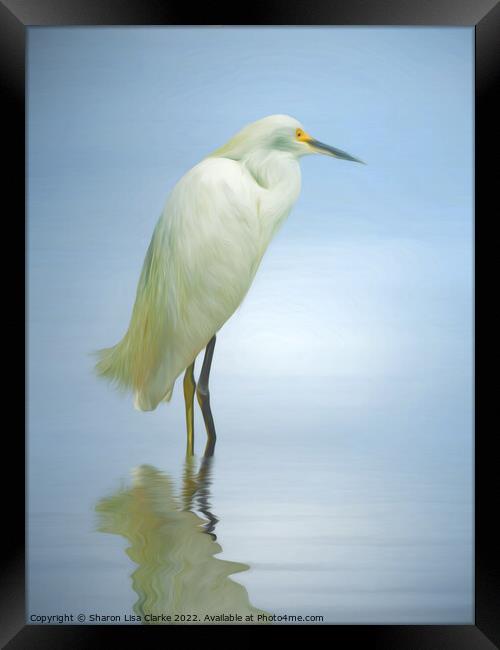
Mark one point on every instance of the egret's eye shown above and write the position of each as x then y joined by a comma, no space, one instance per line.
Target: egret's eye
301,135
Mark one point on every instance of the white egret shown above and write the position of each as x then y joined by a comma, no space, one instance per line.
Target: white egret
203,256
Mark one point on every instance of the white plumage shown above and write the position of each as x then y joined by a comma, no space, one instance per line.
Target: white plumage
205,251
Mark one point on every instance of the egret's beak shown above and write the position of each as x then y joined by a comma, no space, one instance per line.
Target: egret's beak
320,147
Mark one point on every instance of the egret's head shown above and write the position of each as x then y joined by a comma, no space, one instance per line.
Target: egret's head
281,133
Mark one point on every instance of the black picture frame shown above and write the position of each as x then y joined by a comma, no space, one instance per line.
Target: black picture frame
15,17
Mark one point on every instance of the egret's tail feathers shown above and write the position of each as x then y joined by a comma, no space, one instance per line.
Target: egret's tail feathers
148,400
114,364
168,395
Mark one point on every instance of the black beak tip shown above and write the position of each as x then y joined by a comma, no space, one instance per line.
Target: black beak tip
358,160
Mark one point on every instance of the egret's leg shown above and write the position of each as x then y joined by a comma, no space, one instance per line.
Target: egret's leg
210,446
203,395
189,390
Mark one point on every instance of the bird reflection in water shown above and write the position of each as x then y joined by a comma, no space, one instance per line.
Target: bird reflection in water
178,574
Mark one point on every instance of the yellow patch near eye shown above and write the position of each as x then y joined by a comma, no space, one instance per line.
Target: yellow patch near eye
302,136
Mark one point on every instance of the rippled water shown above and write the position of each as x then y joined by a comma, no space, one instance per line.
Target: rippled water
177,572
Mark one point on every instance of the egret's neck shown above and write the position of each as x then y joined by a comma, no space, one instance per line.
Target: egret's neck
278,175
272,168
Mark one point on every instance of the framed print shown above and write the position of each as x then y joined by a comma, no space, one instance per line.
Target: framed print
251,366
